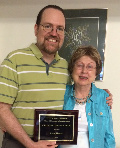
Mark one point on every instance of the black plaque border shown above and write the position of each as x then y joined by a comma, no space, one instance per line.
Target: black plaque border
62,112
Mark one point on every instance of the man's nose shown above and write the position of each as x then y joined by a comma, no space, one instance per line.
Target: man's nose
54,31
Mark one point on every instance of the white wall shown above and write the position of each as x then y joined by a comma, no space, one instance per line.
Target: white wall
17,20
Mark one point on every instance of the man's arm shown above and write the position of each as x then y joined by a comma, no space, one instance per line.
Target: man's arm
109,99
10,123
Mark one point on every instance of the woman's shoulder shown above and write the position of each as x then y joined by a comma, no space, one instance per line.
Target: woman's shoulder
99,91
69,86
100,96
69,89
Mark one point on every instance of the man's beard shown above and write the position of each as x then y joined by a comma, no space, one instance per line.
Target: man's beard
46,49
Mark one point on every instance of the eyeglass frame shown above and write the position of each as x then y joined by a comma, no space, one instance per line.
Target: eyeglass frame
83,66
62,32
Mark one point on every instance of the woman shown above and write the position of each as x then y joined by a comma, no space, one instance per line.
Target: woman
95,129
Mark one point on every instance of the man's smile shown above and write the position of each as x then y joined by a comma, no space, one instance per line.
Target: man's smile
52,40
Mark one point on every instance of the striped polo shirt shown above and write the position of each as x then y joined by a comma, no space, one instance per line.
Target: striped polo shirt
28,83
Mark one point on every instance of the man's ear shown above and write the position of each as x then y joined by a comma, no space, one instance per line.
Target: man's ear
36,29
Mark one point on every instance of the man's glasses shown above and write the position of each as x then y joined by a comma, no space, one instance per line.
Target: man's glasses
80,66
49,28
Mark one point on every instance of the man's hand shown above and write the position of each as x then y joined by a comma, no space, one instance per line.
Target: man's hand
8,119
109,99
43,144
3,129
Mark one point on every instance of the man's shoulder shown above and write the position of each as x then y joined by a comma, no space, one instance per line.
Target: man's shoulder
19,52
61,62
22,50
61,58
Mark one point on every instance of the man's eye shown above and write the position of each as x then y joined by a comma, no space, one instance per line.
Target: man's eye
47,26
60,28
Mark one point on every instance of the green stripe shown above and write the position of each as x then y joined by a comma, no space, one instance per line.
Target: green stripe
30,65
42,83
39,66
39,101
9,60
7,96
8,79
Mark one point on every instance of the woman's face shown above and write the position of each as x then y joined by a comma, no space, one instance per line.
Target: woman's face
84,71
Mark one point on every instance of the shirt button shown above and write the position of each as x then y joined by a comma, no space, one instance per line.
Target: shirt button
89,113
92,140
101,113
88,101
91,124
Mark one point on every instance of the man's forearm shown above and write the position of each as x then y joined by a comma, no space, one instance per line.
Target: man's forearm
12,126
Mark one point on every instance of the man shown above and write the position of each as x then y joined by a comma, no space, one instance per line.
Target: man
34,77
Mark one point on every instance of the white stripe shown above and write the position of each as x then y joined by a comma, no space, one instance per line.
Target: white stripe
41,72
59,73
8,67
42,89
62,58
27,125
21,53
31,72
8,85
37,107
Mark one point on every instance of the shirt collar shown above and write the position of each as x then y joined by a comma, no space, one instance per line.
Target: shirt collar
93,93
38,53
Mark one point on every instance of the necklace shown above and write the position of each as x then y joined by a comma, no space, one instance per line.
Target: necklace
81,101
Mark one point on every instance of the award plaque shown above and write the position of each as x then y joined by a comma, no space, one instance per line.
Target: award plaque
56,125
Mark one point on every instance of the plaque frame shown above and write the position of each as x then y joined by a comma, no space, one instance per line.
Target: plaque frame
72,115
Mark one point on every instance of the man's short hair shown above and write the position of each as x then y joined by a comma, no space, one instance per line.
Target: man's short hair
39,17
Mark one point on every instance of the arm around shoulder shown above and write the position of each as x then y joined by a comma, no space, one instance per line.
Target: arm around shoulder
109,98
